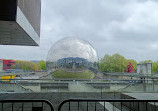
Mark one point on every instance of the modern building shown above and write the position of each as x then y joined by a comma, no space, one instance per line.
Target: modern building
6,64
145,68
71,54
70,61
20,22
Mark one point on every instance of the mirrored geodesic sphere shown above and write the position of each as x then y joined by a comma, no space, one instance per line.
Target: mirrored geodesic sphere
71,56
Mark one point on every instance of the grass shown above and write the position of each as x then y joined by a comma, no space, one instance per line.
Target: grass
87,74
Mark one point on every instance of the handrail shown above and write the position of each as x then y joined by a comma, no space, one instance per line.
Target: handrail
125,87
156,78
103,100
111,100
27,101
24,87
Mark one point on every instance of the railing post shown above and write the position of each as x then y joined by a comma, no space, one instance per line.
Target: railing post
87,105
154,107
12,106
121,106
95,106
114,94
69,105
101,92
22,106
42,106
2,106
78,105
104,105
153,84
146,106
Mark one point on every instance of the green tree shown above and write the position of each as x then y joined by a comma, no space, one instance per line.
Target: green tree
155,67
115,63
104,63
42,65
146,61
26,65
119,63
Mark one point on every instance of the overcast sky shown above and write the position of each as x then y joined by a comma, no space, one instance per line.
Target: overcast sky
127,27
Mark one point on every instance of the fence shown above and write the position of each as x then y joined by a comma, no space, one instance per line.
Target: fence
111,105
22,105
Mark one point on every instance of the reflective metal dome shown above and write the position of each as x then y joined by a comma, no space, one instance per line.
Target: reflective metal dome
71,55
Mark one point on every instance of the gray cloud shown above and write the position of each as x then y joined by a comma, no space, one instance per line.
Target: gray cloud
128,27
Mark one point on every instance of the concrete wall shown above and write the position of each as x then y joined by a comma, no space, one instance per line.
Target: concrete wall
32,11
145,68
9,87
20,22
30,8
33,88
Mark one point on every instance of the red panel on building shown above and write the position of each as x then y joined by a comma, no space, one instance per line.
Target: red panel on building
7,64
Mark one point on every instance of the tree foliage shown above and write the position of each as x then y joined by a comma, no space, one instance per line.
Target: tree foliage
118,63
42,65
115,63
155,67
26,65
146,61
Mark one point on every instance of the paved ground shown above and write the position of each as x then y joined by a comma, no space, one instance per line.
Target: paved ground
143,106
143,96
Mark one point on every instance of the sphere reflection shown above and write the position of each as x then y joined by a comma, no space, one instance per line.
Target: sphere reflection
73,57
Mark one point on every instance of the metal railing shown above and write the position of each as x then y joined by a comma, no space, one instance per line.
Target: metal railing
84,80
110,105
25,89
22,105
